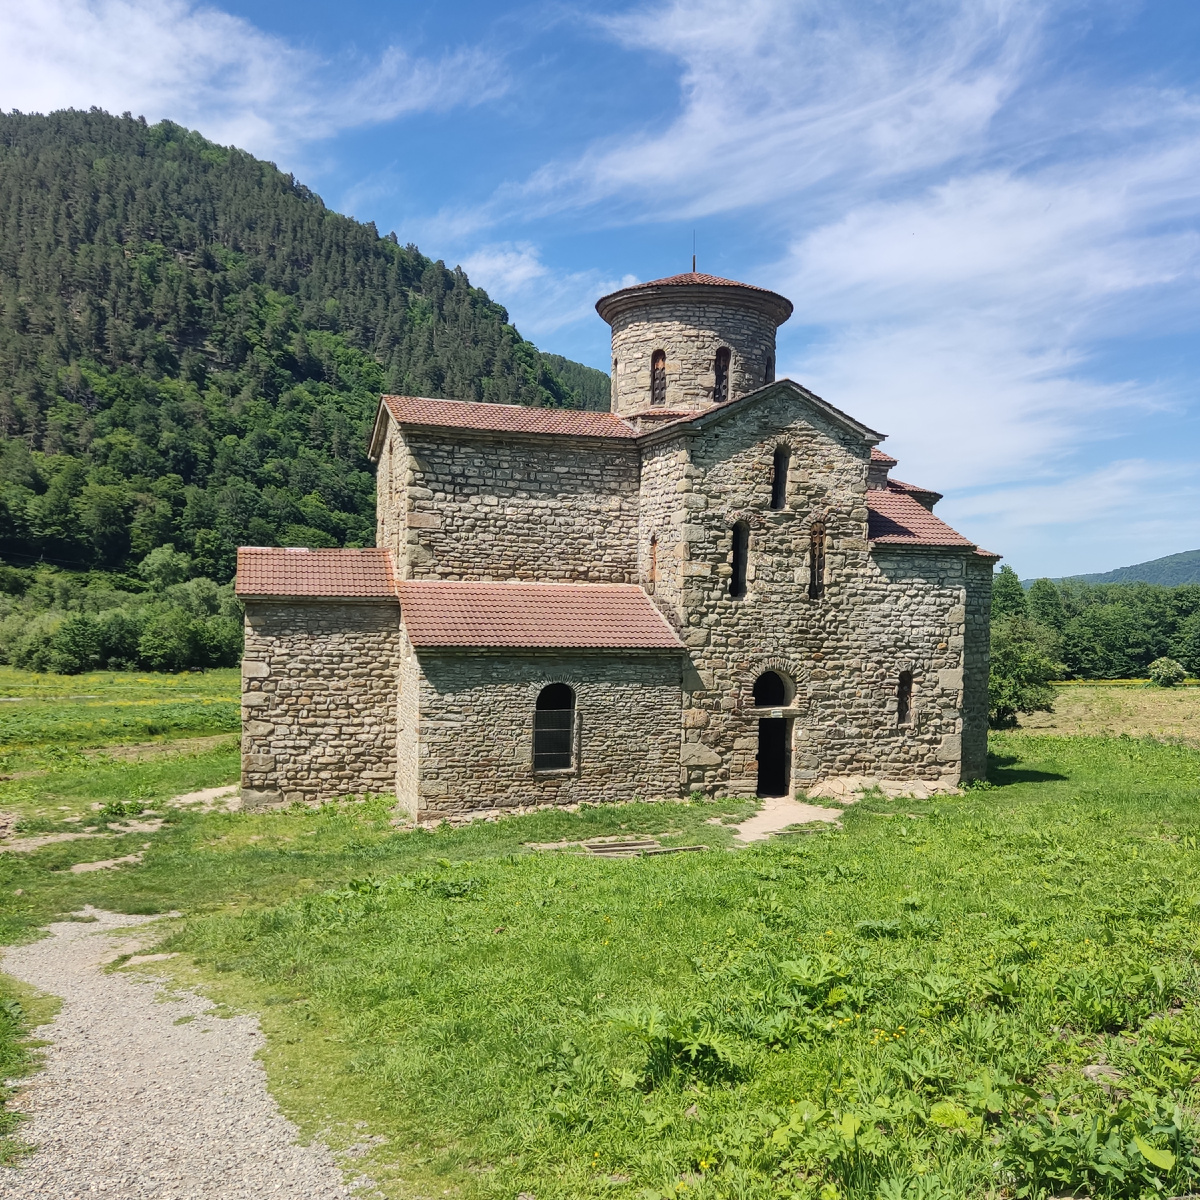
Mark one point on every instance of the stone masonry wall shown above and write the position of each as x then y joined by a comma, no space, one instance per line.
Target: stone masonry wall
318,700
476,730
690,333
663,513
408,731
461,507
843,653
976,662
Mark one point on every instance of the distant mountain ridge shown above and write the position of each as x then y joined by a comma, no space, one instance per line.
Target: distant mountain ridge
1171,571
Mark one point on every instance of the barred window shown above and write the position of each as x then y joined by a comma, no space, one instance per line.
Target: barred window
721,376
554,728
816,560
658,377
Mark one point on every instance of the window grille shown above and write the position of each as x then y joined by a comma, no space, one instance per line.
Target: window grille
816,560
721,376
658,377
904,698
554,729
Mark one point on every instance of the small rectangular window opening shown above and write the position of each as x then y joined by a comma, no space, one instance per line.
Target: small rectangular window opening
658,377
779,478
721,376
904,698
741,555
816,560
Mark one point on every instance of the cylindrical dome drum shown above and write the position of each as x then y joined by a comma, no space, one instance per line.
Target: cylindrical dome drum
691,341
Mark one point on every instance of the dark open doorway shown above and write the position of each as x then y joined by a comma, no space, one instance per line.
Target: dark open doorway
774,756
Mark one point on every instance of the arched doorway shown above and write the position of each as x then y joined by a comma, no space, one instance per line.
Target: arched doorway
774,736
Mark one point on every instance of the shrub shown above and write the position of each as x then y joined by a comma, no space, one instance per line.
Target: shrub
1024,660
76,646
169,642
1166,672
32,649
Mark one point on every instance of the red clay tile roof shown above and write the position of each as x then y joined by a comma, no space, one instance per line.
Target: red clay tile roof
926,495
533,616
897,519
506,418
878,456
779,306
348,574
693,277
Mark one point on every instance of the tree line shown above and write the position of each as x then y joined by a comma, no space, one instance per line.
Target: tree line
1072,630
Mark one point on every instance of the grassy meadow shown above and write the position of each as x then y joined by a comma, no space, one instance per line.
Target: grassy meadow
991,994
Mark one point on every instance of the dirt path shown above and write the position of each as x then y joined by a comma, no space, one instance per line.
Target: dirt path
148,1096
778,813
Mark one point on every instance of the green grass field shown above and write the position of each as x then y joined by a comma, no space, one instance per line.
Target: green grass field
985,995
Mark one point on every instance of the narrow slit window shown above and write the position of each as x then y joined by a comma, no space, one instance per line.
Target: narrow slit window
779,477
653,563
741,555
554,728
769,370
721,376
904,699
658,377
816,560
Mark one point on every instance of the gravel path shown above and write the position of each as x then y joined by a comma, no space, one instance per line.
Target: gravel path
132,1104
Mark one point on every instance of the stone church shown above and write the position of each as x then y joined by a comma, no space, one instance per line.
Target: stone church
716,586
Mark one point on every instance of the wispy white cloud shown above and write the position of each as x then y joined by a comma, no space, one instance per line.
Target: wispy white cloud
1092,520
206,68
541,300
965,228
963,319
780,98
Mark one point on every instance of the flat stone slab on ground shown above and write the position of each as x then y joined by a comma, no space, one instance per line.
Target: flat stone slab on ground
132,1104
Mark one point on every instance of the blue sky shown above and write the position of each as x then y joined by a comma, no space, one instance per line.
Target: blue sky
987,213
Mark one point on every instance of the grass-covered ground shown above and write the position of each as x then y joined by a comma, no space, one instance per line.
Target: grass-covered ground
985,995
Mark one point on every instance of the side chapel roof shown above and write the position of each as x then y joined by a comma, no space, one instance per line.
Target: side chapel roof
533,616
895,517
329,574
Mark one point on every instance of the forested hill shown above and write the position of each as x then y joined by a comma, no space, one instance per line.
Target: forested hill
1171,571
192,348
